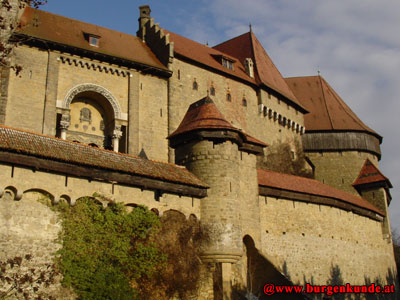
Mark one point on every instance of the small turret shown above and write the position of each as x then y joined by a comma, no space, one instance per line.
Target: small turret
144,17
214,150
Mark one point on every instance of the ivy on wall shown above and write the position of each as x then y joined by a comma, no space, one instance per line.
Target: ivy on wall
105,250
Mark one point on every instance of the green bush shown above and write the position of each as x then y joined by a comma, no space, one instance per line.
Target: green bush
105,250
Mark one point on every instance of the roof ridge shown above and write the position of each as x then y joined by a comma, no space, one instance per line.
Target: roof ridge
76,20
235,37
306,76
325,102
200,44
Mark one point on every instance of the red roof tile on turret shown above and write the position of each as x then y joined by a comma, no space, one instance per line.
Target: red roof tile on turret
248,46
204,115
370,174
328,112
311,187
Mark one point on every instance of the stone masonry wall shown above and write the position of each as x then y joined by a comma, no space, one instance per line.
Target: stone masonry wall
247,118
311,238
46,79
27,90
28,227
339,169
71,188
216,164
153,117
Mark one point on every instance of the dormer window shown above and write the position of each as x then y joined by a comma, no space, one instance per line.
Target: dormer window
93,41
227,63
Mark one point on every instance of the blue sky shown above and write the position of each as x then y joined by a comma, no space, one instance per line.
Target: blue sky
354,43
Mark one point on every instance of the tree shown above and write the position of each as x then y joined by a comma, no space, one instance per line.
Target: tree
180,239
286,158
106,250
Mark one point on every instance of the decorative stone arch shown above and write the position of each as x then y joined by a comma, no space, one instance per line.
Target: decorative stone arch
12,193
91,87
41,192
61,198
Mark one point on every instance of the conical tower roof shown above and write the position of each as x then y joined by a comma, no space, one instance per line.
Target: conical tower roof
248,46
370,174
328,112
204,115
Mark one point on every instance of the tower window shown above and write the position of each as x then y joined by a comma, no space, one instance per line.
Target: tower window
244,102
195,85
228,97
212,91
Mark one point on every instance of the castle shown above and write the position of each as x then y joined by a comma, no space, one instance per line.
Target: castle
160,120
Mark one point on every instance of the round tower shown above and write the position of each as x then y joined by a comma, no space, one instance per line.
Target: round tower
210,147
336,141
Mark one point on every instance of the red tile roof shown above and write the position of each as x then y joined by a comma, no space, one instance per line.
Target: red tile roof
327,110
370,174
207,56
248,46
32,144
204,114
312,187
51,27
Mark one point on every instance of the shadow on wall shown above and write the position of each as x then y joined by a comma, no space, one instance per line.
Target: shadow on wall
259,273
336,279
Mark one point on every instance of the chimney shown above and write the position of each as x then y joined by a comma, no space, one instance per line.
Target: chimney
249,67
144,17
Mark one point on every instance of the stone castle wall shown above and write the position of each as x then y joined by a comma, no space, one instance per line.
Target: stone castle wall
340,168
248,118
47,77
311,238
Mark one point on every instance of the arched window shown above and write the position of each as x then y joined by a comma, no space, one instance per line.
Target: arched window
228,97
212,91
244,102
195,85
